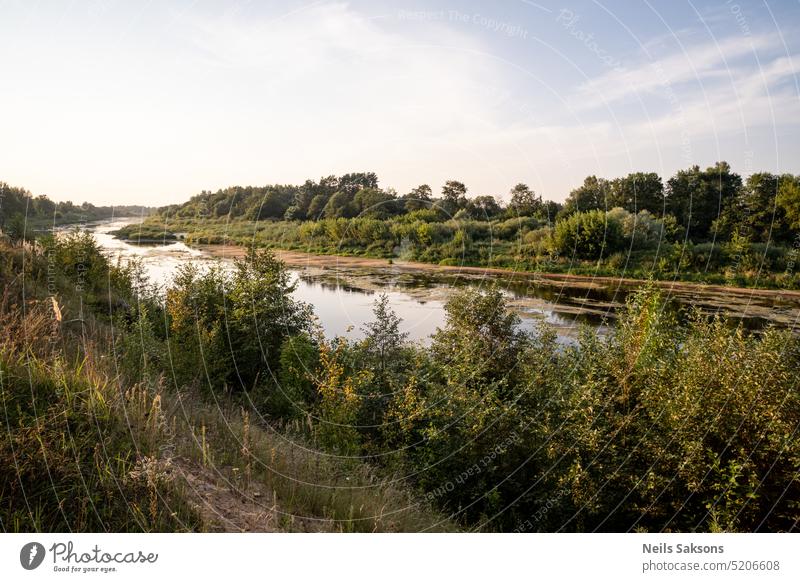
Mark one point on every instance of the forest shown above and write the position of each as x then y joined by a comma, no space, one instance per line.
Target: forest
701,225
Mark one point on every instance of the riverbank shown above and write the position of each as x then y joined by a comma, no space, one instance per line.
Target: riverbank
305,260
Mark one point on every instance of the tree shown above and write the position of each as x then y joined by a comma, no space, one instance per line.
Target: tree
15,228
481,339
295,393
592,195
697,198
383,340
789,199
352,183
525,202
384,353
274,202
454,197
340,205
317,206
483,208
375,203
44,207
756,214
261,314
418,199
234,323
637,192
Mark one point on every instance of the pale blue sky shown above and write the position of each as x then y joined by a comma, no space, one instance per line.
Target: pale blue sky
151,102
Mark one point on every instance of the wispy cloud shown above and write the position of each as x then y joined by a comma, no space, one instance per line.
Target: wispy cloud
709,60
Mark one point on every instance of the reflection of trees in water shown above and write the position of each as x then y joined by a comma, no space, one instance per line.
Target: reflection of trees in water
333,284
565,305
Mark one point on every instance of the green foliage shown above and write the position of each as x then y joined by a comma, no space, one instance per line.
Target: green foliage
97,440
643,230
698,197
294,393
664,425
588,235
339,402
144,233
351,215
789,199
19,207
233,323
638,192
593,194
674,421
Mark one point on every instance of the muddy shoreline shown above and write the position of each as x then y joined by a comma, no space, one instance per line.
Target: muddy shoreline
308,260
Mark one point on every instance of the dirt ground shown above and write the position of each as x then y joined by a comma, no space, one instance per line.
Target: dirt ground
233,507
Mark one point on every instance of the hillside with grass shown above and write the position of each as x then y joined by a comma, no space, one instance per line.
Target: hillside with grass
99,435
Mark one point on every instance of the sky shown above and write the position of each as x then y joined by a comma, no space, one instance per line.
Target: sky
118,102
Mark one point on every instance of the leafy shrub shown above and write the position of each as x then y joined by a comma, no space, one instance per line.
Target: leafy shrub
588,235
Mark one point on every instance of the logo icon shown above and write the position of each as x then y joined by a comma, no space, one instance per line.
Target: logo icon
31,555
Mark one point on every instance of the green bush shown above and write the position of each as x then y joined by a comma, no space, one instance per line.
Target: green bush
588,235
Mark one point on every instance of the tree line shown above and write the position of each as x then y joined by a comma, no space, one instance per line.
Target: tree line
706,204
21,211
700,225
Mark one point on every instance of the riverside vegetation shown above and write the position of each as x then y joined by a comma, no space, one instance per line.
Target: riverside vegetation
22,214
99,433
119,402
702,225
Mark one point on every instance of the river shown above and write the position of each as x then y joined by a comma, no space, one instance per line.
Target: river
342,291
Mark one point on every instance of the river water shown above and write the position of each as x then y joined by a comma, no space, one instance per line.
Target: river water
343,294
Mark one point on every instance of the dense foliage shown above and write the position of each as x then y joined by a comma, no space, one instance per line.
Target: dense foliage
706,225
670,423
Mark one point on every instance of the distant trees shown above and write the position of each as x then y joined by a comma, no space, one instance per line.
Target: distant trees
701,206
418,199
375,203
638,191
483,208
275,202
454,197
524,201
789,199
591,195
698,197
19,210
